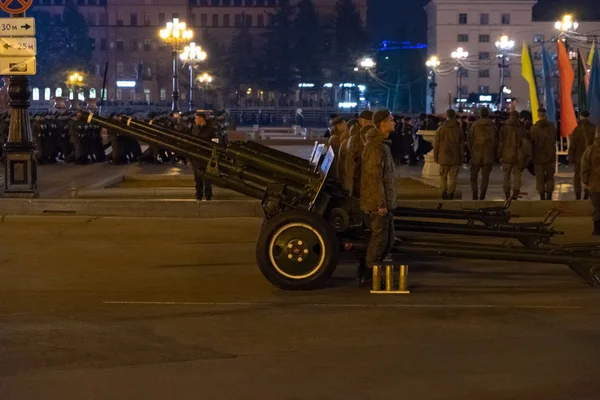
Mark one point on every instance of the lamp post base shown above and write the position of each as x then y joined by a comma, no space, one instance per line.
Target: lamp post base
20,167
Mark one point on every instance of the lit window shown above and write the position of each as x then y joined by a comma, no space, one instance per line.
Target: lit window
92,93
58,92
71,94
36,94
163,94
81,96
47,94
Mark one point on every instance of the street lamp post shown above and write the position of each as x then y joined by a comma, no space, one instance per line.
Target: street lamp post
504,46
74,82
177,35
459,55
433,63
205,79
193,55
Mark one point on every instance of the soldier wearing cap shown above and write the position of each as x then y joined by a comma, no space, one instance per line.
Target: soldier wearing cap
335,140
581,139
341,157
448,151
590,176
481,140
203,131
354,149
378,195
543,139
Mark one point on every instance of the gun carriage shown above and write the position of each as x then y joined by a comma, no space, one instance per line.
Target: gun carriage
310,219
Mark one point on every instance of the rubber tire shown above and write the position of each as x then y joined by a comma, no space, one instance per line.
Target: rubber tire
331,248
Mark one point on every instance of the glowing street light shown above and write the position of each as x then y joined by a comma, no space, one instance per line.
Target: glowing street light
505,43
432,64
566,24
192,55
367,63
205,79
75,81
459,55
177,35
504,46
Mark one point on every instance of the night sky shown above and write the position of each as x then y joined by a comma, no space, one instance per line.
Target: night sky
405,19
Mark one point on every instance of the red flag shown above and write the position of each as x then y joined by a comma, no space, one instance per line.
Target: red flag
568,120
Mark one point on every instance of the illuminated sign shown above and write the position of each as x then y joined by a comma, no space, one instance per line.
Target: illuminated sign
328,85
126,84
347,105
485,98
306,85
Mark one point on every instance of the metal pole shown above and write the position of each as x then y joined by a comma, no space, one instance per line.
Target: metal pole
459,87
175,105
387,103
103,93
191,87
20,166
433,87
502,61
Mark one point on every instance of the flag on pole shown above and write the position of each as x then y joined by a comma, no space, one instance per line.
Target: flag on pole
588,70
529,75
582,87
549,99
568,120
594,91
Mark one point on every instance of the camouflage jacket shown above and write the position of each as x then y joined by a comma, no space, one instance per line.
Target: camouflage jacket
509,143
335,142
590,167
341,156
481,140
543,140
377,175
581,139
354,149
449,144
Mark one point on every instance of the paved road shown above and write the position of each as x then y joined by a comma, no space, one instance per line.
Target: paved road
176,309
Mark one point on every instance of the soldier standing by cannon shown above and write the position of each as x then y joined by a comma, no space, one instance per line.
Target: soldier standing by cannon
543,138
590,176
378,197
205,132
354,148
335,141
581,139
481,141
448,152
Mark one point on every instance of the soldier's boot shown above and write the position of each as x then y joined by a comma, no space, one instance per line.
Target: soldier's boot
577,195
507,195
475,196
542,195
586,194
450,196
548,195
482,196
515,195
444,195
596,228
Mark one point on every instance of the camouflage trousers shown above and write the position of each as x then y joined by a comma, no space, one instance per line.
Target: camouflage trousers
511,178
448,175
595,199
382,237
544,177
486,170
577,178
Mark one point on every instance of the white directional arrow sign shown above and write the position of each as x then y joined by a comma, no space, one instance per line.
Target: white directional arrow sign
21,27
18,47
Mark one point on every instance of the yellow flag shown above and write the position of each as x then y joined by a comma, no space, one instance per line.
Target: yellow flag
529,76
591,56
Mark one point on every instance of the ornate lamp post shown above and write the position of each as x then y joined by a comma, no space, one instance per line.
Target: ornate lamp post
193,55
432,64
567,24
504,46
177,35
459,55
205,79
74,82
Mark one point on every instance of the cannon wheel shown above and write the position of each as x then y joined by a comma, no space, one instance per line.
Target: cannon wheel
297,250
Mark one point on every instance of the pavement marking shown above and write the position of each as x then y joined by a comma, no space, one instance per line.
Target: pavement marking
234,304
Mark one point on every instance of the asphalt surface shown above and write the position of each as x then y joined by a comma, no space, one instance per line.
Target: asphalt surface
116,308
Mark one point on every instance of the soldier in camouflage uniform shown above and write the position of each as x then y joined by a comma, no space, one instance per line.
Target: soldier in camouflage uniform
335,141
448,153
581,139
481,141
378,197
341,156
511,154
543,138
354,149
590,176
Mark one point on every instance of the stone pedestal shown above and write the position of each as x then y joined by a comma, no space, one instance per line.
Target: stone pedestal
431,169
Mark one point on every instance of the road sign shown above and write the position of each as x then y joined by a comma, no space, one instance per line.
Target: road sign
21,27
17,65
15,6
18,47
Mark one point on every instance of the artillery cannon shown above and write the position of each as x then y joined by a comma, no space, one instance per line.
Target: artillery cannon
310,218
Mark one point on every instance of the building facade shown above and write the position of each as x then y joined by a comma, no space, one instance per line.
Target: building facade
475,26
125,37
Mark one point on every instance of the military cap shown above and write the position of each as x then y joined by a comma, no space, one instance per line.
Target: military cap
337,120
585,114
366,114
381,115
